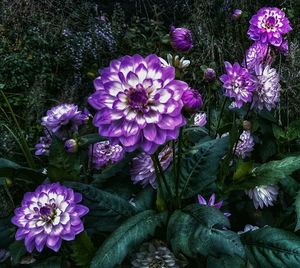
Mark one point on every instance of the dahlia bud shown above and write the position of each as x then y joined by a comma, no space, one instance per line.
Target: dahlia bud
209,75
237,14
181,39
200,119
247,125
71,146
192,100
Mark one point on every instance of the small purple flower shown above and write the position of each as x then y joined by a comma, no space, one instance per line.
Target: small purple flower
209,75
237,14
268,25
267,93
263,195
245,144
238,83
192,100
138,103
255,55
284,47
71,146
42,148
143,171
200,119
49,215
103,153
63,115
211,203
181,39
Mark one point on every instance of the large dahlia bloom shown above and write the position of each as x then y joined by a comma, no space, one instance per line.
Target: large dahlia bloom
268,25
212,203
49,215
63,115
143,171
245,144
138,103
263,195
181,39
256,54
238,84
103,153
267,93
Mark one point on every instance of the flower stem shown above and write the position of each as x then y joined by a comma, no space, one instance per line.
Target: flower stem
220,118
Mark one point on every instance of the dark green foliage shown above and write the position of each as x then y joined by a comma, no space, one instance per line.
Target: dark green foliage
226,261
272,248
129,235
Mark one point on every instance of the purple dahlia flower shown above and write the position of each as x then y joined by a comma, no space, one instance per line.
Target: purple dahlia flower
143,171
256,54
284,47
209,75
103,153
63,115
200,119
268,25
211,203
267,93
181,39
42,148
49,215
192,100
263,195
245,144
238,84
138,103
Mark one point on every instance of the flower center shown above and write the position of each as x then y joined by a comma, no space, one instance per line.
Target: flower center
48,212
138,98
270,22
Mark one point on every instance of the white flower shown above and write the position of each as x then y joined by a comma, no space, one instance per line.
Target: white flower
176,62
263,195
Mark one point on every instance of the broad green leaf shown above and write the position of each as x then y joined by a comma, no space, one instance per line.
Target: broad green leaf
7,232
297,209
83,250
63,165
13,170
269,173
200,230
129,235
270,247
243,169
17,251
145,199
52,262
198,171
226,261
107,211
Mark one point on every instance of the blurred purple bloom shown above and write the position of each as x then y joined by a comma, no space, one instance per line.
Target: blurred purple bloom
238,84
211,203
267,92
209,75
143,171
237,13
71,146
181,39
245,144
263,195
138,103
268,25
255,55
49,215
103,153
192,100
284,47
200,119
42,148
63,115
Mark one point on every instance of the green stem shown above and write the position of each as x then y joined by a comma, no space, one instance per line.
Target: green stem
208,109
25,148
221,114
178,161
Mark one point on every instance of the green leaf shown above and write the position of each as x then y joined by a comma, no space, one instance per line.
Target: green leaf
243,169
129,235
88,139
83,250
17,251
145,199
200,230
269,173
198,171
297,209
52,262
12,170
63,165
6,232
226,261
111,209
272,248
